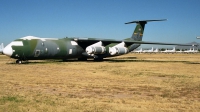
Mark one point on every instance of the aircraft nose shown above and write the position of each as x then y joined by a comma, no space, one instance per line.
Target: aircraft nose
8,50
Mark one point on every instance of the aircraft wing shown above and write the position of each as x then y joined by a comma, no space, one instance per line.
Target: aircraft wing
158,43
84,42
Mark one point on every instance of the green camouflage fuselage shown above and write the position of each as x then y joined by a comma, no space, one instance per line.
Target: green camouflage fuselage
43,48
46,49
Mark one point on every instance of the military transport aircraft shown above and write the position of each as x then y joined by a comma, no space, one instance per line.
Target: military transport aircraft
35,48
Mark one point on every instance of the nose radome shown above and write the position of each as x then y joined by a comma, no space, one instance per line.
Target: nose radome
8,50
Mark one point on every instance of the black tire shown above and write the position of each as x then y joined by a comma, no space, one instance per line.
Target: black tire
19,61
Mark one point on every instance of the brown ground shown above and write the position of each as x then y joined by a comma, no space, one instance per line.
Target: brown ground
133,82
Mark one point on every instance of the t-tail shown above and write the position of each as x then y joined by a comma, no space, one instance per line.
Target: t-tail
139,29
138,32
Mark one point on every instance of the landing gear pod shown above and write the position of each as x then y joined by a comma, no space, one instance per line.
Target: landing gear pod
95,50
118,50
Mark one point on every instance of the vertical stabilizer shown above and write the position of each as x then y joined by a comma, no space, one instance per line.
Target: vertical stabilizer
139,29
174,49
138,32
1,48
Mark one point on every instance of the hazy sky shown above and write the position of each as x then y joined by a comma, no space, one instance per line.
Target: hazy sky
99,19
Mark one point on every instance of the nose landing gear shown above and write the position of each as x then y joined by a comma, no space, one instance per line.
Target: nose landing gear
19,61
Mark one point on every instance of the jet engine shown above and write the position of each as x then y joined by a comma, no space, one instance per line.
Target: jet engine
118,50
95,49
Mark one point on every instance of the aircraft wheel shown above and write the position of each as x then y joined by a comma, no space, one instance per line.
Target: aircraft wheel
19,61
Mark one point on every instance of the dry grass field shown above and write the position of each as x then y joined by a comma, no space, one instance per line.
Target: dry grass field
133,82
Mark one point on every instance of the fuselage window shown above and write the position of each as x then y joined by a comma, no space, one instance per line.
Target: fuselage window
58,49
46,50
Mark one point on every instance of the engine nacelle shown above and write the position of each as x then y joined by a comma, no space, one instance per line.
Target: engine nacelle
95,49
118,50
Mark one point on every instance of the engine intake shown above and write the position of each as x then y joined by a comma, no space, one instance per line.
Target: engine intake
118,50
95,49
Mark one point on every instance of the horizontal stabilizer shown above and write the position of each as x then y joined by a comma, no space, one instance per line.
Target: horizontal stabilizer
145,21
